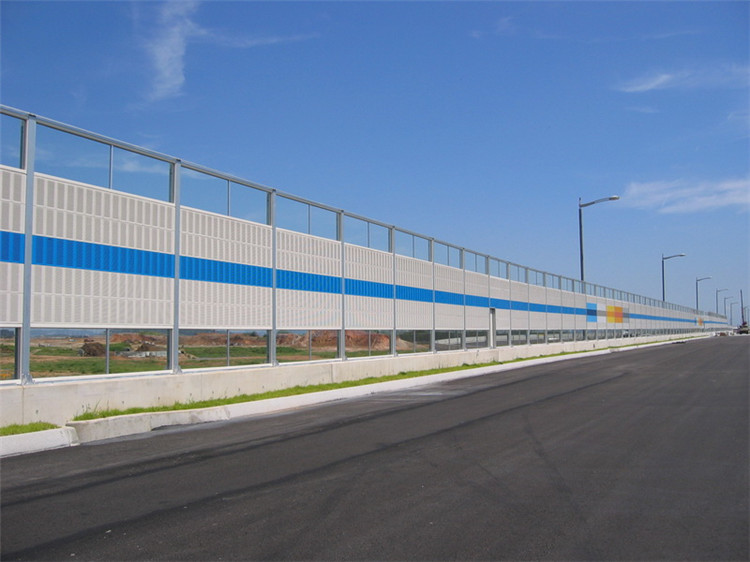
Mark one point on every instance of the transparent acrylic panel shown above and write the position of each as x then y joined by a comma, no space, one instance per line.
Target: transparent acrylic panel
421,248
470,261
502,338
519,337
366,343
454,256
476,339
378,237
11,141
292,215
324,344
412,341
292,345
248,347
203,349
140,175
7,353
446,340
404,243
72,157
355,231
441,253
554,336
323,223
248,203
67,352
203,191
133,351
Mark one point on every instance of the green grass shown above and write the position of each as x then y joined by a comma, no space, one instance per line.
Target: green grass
293,391
17,429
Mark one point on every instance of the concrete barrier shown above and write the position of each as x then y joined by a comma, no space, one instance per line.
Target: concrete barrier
59,400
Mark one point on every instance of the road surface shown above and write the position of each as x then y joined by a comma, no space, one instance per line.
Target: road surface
636,455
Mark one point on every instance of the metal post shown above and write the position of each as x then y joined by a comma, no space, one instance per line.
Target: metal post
342,334
174,341
29,159
271,339
580,235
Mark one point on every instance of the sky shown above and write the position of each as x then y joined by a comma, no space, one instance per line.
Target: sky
481,124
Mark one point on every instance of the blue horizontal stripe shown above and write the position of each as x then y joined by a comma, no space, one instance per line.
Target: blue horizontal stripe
298,281
199,269
11,246
501,304
483,302
57,252
360,288
443,297
405,293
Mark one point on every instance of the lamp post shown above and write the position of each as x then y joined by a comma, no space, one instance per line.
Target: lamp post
580,222
725,304
717,298
698,280
663,259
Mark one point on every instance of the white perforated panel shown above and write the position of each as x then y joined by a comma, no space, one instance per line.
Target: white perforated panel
12,198
11,296
208,236
302,310
413,315
224,305
367,264
412,272
449,279
308,254
65,209
100,298
449,317
366,313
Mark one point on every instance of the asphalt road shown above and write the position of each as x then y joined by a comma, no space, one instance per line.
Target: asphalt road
638,455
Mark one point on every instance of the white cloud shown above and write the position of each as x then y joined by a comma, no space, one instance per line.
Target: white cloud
168,46
175,29
717,76
681,196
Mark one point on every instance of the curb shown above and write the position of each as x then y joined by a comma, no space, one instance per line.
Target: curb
38,441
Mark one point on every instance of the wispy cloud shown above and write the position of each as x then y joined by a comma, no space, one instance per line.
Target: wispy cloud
681,196
174,30
167,47
718,76
502,26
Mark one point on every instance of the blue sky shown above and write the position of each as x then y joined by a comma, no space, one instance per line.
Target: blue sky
477,123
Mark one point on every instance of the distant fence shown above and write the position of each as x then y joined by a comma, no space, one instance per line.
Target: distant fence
118,259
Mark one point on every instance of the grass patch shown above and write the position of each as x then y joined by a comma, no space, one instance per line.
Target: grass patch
17,429
293,391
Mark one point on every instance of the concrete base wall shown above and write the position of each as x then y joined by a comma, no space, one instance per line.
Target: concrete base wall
59,400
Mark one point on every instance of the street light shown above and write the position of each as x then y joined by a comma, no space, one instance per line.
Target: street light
580,222
717,298
698,280
663,259
725,304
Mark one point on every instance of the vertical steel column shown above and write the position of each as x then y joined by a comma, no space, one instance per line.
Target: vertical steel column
28,163
434,306
271,339
392,250
174,340
462,265
340,236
